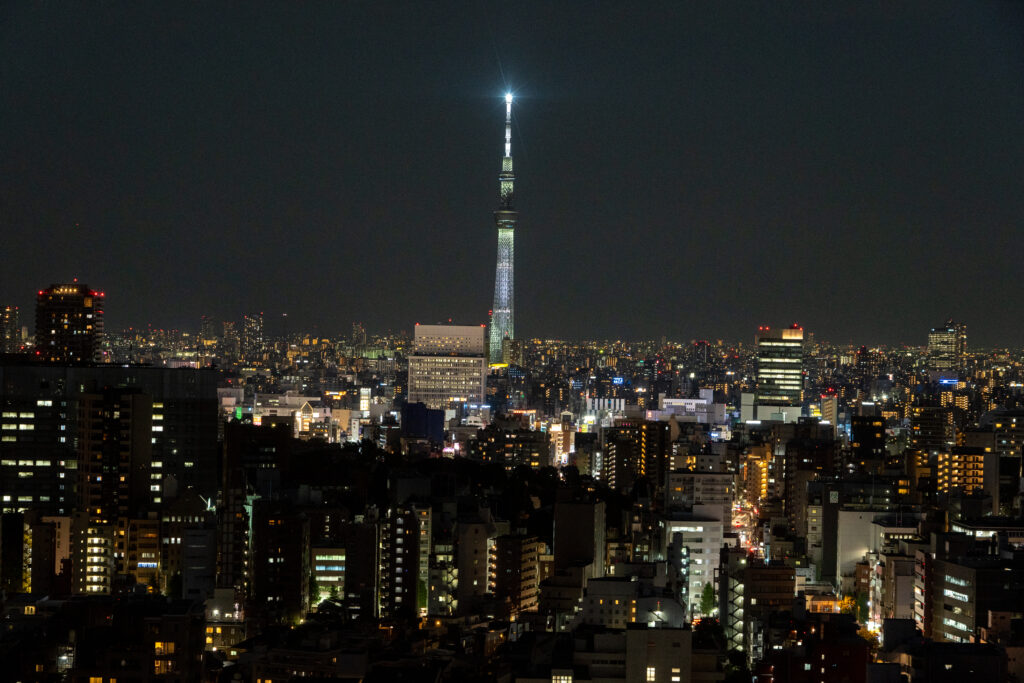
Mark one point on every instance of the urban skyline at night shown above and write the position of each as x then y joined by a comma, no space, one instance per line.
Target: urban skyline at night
721,382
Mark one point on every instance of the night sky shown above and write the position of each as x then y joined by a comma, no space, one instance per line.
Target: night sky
692,170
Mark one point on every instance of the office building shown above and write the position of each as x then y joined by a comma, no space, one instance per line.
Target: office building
947,347
328,572
780,375
448,366
69,323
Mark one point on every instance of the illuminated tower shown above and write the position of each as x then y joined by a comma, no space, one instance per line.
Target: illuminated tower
503,312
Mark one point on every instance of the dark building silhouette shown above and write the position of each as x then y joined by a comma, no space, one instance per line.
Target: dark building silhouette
280,569
867,440
252,455
46,404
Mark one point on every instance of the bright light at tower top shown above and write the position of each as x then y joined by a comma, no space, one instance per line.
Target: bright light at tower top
508,124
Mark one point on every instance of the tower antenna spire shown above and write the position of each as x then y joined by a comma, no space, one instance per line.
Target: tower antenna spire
508,124
506,180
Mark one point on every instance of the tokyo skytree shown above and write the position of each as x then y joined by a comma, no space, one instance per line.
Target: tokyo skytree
503,312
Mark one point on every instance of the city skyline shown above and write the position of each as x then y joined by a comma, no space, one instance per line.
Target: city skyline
278,328
854,169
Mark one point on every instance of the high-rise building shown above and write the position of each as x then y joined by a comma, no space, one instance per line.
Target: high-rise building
750,591
448,366
405,560
503,313
69,323
251,455
635,449
279,571
830,410
358,335
947,346
115,454
10,330
780,373
231,345
117,489
252,336
207,333
474,541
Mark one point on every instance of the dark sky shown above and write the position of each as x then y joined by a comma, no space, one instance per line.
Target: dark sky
687,169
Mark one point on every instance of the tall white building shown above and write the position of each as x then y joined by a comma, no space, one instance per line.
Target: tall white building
448,366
